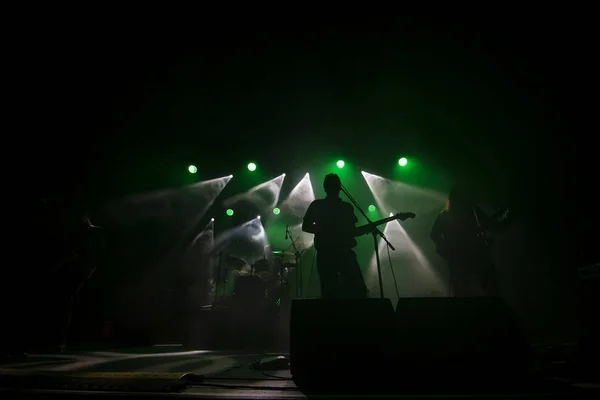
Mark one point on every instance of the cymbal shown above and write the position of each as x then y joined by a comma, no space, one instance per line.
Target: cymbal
236,261
279,253
261,265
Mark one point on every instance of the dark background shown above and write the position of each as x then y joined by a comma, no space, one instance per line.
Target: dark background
124,104
121,107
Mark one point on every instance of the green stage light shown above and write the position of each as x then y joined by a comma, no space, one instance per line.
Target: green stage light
402,162
340,163
372,208
192,169
229,212
276,211
251,167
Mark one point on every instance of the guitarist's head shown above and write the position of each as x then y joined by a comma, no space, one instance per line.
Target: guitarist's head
459,199
332,185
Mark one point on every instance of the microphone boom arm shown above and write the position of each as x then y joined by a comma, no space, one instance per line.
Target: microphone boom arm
297,256
375,232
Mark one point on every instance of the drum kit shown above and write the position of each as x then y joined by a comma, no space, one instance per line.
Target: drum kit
266,279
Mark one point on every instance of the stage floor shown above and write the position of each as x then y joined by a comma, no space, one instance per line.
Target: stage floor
227,375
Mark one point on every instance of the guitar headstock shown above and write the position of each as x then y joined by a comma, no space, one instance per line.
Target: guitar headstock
405,215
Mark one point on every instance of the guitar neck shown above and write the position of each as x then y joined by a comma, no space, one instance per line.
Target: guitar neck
382,221
386,220
401,216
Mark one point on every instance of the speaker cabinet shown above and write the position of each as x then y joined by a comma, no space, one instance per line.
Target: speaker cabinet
589,326
460,337
340,340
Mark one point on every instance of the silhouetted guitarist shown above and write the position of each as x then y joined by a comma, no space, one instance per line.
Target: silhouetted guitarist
333,223
459,233
85,243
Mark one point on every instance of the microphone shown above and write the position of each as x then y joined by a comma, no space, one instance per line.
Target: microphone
286,232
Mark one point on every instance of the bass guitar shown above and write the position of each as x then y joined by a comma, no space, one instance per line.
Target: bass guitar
368,228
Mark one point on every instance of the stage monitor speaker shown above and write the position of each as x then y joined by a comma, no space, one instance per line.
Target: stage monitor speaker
589,329
342,340
459,337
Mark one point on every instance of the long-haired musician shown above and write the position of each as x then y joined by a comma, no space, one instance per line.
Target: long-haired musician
459,235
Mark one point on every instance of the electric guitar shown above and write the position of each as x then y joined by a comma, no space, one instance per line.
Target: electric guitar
483,241
501,217
368,228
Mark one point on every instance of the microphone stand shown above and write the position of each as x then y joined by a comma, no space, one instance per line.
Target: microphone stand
376,231
218,276
297,255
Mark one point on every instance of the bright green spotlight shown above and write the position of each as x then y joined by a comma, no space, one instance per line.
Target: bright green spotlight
372,208
340,163
229,212
402,162
192,169
276,211
251,167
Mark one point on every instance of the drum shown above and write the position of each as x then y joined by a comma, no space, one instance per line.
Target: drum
250,288
277,292
228,287
263,269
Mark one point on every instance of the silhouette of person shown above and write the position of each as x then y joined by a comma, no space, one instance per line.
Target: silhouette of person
85,243
459,234
333,221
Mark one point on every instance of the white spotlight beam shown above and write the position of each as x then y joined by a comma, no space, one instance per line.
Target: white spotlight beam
216,184
369,179
395,196
254,234
265,195
196,199
305,240
299,198
228,233
410,263
402,195
209,227
204,194
295,206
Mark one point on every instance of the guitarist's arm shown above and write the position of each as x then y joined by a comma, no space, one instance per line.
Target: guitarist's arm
495,223
64,261
437,230
309,223
438,235
364,229
309,227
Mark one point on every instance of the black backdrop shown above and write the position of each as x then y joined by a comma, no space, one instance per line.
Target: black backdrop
117,111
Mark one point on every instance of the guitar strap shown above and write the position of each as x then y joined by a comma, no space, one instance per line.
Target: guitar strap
481,231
